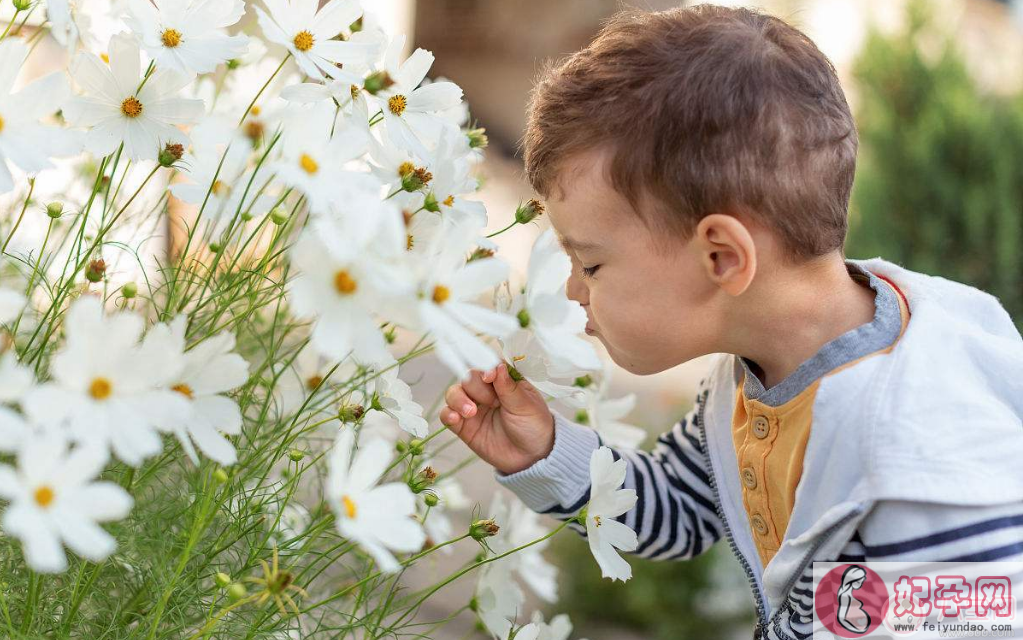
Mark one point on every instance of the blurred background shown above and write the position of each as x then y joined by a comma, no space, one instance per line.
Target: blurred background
937,90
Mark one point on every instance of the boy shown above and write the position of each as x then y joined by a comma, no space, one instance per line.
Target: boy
697,165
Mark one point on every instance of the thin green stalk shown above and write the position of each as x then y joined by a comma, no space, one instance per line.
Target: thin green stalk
31,187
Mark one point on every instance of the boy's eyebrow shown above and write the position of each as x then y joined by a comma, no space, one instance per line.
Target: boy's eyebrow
568,244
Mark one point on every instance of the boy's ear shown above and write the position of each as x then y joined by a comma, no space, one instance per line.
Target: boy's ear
727,252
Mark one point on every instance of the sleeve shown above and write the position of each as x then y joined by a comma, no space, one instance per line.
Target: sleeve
675,516
902,531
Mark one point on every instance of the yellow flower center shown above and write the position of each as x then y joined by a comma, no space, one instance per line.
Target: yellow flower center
449,201
441,293
171,38
307,163
43,496
518,358
184,390
1,123
406,168
409,242
255,110
349,506
304,41
313,381
220,188
596,520
355,92
397,104
100,389
131,107
105,58
344,283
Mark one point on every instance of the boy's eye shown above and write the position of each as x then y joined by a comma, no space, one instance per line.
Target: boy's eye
589,271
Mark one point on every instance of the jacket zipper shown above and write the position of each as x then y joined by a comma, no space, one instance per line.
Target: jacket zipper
761,607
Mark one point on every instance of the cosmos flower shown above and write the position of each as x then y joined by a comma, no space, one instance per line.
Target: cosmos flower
188,35
607,501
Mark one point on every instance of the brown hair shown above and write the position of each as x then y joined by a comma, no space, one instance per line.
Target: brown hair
707,109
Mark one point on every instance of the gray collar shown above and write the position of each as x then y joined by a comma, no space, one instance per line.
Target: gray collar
855,343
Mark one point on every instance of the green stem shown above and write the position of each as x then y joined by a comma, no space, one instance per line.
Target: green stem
503,230
31,187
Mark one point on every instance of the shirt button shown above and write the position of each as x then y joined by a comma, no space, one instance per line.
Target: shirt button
749,477
759,524
760,427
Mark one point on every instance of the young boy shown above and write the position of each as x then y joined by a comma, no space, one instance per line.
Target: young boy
697,165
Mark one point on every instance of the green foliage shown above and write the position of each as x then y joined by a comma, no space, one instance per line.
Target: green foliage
939,185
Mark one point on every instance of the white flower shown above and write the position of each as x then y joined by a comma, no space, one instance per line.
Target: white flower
15,379
24,142
559,628
307,33
379,518
345,267
410,110
519,526
116,111
11,302
68,23
605,415
607,501
103,388
523,351
392,396
547,311
452,178
499,599
54,501
306,374
312,159
443,306
200,376
188,35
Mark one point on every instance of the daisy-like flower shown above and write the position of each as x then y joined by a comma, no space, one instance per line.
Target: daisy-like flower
559,628
519,526
69,25
443,306
308,34
499,599
392,396
188,35
607,501
544,308
24,142
306,375
15,379
380,518
410,110
523,351
201,376
54,502
312,159
104,387
595,409
452,179
116,110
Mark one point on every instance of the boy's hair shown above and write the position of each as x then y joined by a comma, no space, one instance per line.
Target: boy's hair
707,109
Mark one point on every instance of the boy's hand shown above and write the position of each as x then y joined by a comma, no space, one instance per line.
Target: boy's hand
507,423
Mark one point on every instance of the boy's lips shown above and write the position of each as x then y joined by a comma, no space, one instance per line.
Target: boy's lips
590,330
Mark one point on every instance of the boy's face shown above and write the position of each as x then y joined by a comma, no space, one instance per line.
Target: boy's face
651,311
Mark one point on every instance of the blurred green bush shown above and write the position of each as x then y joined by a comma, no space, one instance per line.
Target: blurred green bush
939,184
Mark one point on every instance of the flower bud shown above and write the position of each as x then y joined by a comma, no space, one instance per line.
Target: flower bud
400,446
480,253
390,335
296,455
430,203
220,476
431,499
416,446
583,381
481,529
96,270
215,247
350,412
477,138
170,154
523,317
278,216
426,477
222,579
356,26
582,416
474,604
415,179
378,81
514,373
129,290
527,212
233,63
246,215
55,209
236,591
22,5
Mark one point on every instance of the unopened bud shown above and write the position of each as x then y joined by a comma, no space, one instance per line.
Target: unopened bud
96,270
390,335
170,154
350,412
474,604
401,446
246,215
426,477
129,290
416,446
233,63
529,211
582,416
356,26
221,476
378,81
236,591
523,317
222,579
431,499
22,5
430,203
515,374
477,138
215,247
55,209
296,455
278,216
481,529
583,381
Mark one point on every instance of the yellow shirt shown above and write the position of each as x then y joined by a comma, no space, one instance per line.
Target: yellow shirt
770,442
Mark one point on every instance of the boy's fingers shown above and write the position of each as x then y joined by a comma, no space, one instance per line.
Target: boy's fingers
479,390
459,401
511,393
451,419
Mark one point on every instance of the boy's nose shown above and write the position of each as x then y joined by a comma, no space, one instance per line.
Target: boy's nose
576,289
